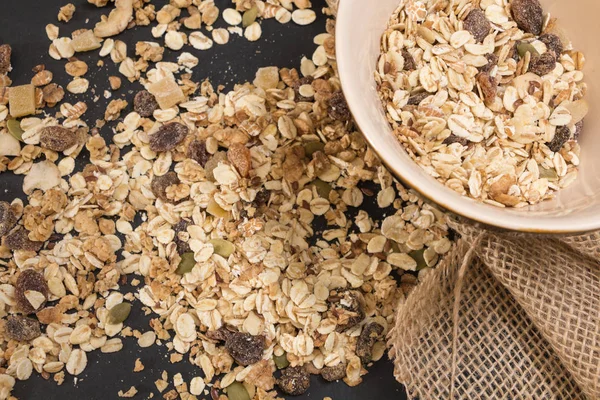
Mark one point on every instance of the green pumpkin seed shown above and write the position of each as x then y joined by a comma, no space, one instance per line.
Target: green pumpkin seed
186,264
224,248
549,174
281,361
418,256
249,16
524,48
14,127
119,313
311,148
237,391
323,188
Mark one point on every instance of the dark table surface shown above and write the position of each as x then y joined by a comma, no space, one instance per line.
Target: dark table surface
22,25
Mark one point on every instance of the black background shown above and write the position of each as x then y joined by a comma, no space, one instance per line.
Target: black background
22,25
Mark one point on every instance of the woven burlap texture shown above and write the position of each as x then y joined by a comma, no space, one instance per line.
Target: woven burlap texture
526,326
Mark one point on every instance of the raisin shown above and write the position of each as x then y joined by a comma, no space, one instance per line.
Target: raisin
488,85
364,345
160,184
239,156
197,152
331,374
409,61
22,329
492,62
222,334
57,138
561,136
416,99
455,139
542,65
30,279
5,52
245,348
338,108
528,15
19,240
553,43
294,381
477,24
144,103
168,136
262,198
8,219
347,309
307,80
578,130
181,226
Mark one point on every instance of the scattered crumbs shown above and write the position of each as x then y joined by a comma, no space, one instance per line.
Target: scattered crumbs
138,366
129,393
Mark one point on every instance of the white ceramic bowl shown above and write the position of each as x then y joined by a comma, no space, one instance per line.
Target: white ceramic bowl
360,24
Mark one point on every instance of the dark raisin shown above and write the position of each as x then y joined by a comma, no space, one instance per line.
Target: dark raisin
144,103
477,24
181,226
488,85
331,374
338,108
5,52
197,152
8,219
294,381
160,184
262,198
578,130
168,136
561,136
245,348
492,62
364,345
307,80
221,334
416,99
347,309
553,43
528,15
455,139
19,240
22,329
57,138
542,65
30,279
409,61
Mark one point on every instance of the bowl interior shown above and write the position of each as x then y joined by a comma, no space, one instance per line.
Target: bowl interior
576,208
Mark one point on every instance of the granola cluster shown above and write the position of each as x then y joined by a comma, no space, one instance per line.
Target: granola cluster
235,215
486,96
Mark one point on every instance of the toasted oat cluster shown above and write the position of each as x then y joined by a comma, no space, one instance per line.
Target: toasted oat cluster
253,253
486,96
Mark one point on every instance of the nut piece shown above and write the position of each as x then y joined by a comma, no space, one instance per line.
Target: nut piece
8,218
21,100
115,82
294,381
66,12
144,103
28,281
57,138
5,52
168,136
22,329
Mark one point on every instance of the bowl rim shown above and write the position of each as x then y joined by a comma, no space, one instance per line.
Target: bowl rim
511,223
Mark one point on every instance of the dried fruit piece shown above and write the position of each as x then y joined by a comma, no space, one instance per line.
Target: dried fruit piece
14,128
477,24
553,43
245,348
331,374
19,240
294,381
8,219
364,345
281,361
338,108
409,61
455,139
216,210
239,156
542,65
488,85
160,184
168,136
222,247
144,103
57,138
237,391
561,136
416,99
197,152
492,62
529,15
85,41
21,100
5,53
22,329
181,226
30,280
213,163
119,313
347,309
167,93
186,264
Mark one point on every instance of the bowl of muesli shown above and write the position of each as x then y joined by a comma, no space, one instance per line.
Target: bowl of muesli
480,104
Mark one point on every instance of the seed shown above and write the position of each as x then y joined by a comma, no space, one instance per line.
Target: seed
281,361
323,188
418,256
186,264
222,247
548,173
14,128
311,148
237,391
249,16
524,48
119,313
